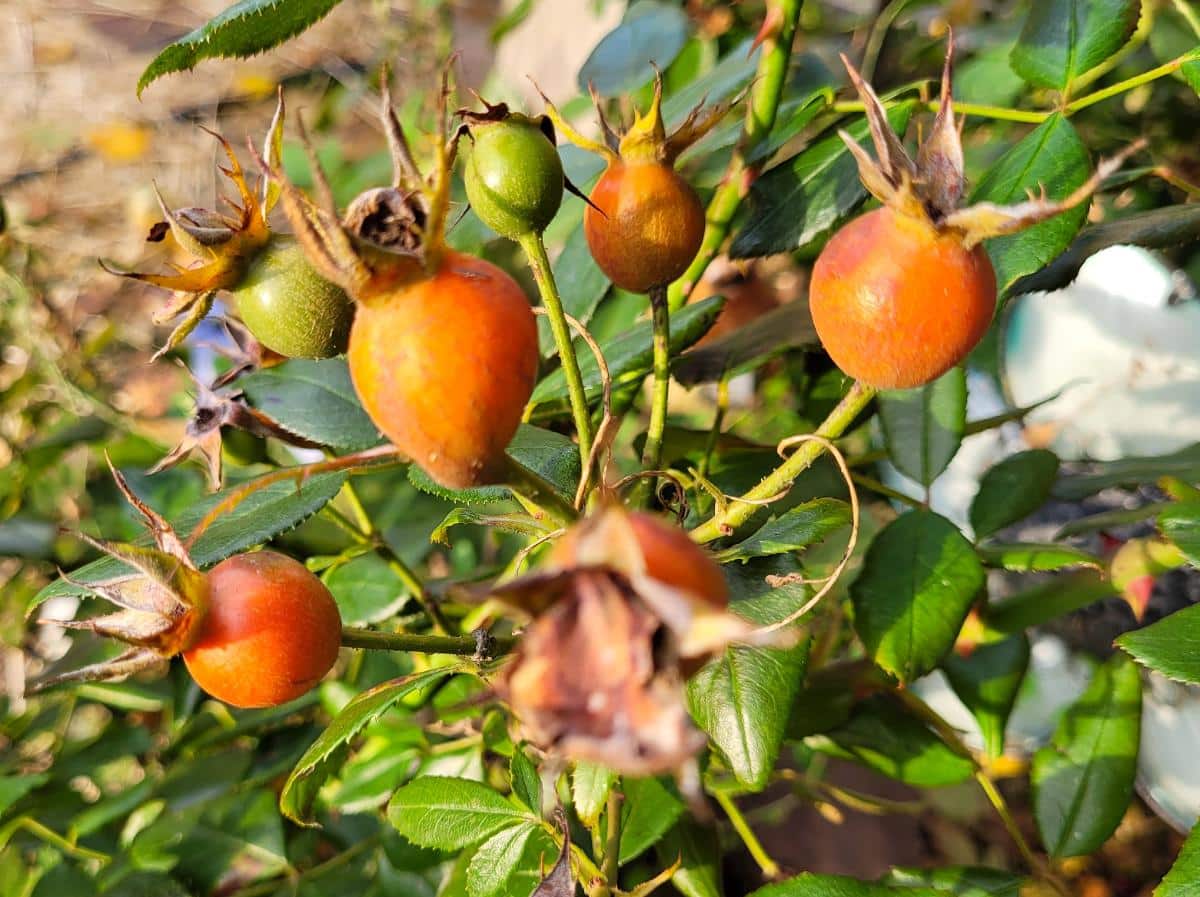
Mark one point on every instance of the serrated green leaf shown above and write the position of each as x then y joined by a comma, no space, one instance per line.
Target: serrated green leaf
650,32
1183,879
742,700
919,579
526,783
321,760
1046,601
962,881
497,858
923,427
792,530
263,515
451,814
1012,490
628,356
244,29
590,785
987,682
882,736
1181,524
315,400
1170,647
552,456
809,884
1032,557
1062,39
802,199
1083,780
698,850
1053,156
366,589
648,812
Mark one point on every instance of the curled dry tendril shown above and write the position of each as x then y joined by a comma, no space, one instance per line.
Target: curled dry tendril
827,582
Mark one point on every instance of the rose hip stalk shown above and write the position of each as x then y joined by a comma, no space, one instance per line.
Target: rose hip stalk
644,223
903,293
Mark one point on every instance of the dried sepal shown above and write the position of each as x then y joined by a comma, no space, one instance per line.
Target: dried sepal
135,660
932,188
221,246
388,235
940,156
217,409
567,130
559,881
197,308
590,681
160,604
983,220
893,164
272,152
405,172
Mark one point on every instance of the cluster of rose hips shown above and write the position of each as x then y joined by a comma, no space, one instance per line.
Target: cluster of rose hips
443,354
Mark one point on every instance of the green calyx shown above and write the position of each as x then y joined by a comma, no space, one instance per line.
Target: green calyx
514,177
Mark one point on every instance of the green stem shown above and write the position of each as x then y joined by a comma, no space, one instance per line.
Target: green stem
1189,14
999,113
714,434
363,531
538,496
51,837
761,111
950,737
781,478
465,645
612,842
770,869
1130,83
873,485
539,264
652,451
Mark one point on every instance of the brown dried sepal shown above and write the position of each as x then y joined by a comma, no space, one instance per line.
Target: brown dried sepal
647,138
221,245
932,187
159,604
217,408
598,674
595,678
389,235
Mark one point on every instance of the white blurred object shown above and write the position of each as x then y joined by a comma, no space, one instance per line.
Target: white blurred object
1132,355
1056,677
1167,773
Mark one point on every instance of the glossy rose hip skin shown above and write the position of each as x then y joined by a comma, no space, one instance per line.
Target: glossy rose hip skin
271,631
897,304
647,225
445,365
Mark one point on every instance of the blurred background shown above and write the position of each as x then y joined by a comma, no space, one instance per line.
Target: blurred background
79,153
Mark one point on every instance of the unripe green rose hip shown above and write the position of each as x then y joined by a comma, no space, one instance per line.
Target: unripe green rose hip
289,308
514,177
